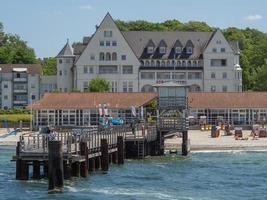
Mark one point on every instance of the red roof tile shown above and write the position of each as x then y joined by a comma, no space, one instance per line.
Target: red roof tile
92,100
207,100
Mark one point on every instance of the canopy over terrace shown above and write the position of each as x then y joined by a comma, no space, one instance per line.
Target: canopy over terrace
81,109
242,108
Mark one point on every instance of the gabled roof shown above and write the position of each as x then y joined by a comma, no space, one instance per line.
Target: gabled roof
235,46
221,100
30,68
177,43
138,40
77,100
150,43
66,50
189,43
162,43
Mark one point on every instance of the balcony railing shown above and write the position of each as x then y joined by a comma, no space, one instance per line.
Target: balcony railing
20,90
172,102
20,102
20,79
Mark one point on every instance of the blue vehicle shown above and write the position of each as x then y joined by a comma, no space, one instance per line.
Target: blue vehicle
110,121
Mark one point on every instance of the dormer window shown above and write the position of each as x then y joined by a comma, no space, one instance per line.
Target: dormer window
150,50
178,50
189,50
107,33
162,50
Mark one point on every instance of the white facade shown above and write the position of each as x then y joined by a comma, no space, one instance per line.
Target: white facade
135,61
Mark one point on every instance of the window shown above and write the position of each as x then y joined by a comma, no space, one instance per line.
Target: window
224,88
92,57
180,76
91,70
130,86
147,75
101,43
107,43
114,86
127,69
108,56
218,62
85,86
150,50
114,43
108,69
194,75
224,75
85,70
5,97
32,86
213,75
114,56
65,72
33,97
222,50
162,50
60,72
218,41
214,50
5,86
213,88
123,57
101,56
163,75
60,61
107,33
178,50
189,50
124,86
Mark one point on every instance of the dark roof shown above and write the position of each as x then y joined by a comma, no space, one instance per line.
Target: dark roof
139,40
235,46
209,100
85,100
150,43
78,48
31,68
66,50
189,43
178,43
162,43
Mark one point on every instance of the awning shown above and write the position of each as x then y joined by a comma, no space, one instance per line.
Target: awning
19,69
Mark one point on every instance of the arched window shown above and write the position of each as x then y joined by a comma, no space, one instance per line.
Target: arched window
163,64
179,63
194,63
101,56
142,63
152,63
147,63
194,88
108,56
158,63
147,88
189,63
184,63
173,63
114,56
168,63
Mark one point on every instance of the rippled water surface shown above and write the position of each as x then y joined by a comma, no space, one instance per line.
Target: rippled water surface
231,175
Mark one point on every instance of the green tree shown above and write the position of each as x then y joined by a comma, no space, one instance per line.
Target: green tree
261,81
98,85
49,66
14,50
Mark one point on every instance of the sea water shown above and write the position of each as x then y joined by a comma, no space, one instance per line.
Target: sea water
202,175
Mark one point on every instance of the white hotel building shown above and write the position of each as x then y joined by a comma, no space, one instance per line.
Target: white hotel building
136,60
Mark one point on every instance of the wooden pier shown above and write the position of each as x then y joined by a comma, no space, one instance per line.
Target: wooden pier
61,155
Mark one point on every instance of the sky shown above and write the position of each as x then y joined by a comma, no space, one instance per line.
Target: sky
46,24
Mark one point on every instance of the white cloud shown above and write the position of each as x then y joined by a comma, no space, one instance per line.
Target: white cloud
253,17
86,7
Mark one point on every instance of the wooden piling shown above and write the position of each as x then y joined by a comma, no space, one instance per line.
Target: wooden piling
91,164
104,155
120,144
45,169
84,165
76,169
67,169
185,144
97,162
55,170
110,158
22,170
36,170
115,157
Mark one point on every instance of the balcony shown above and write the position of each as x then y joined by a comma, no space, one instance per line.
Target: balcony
160,81
20,79
20,90
24,102
172,102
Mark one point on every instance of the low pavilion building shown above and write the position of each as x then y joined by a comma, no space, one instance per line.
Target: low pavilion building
82,109
246,108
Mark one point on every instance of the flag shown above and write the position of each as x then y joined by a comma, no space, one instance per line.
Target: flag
133,111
